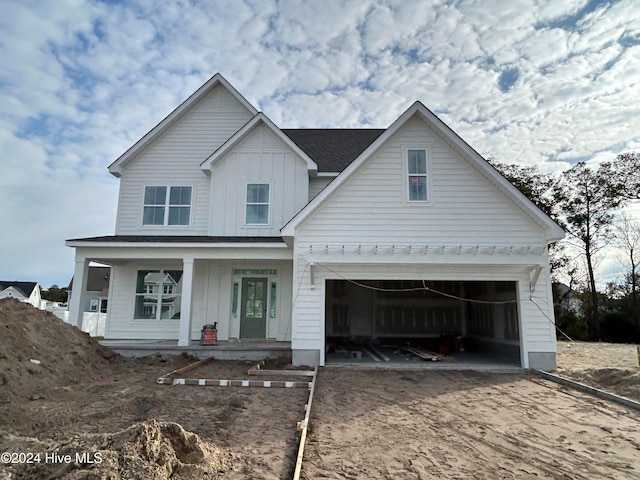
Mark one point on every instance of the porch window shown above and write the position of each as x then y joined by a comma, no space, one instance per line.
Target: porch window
272,301
417,175
158,295
234,300
161,208
257,212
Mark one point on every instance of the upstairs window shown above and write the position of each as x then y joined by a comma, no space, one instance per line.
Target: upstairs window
257,212
417,175
167,206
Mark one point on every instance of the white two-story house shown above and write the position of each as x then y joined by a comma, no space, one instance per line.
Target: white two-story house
301,235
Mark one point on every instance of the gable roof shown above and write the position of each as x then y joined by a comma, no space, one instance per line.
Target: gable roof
333,149
553,231
258,119
25,288
116,167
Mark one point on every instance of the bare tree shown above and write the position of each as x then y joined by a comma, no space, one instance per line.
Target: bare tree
586,200
627,239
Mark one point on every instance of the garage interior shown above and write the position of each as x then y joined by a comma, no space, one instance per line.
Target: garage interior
400,321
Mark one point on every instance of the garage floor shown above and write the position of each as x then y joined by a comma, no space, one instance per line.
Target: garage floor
391,355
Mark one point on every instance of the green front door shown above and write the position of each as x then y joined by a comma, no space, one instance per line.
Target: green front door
253,311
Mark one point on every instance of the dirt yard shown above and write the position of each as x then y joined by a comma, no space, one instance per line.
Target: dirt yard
111,419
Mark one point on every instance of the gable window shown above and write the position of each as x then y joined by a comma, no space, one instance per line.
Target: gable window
417,175
257,212
158,294
167,206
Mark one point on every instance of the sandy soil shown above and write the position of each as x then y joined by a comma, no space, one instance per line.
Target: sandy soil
460,425
81,398
608,366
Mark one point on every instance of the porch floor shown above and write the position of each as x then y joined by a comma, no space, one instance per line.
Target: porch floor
225,350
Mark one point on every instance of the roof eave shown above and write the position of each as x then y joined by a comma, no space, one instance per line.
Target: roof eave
553,230
176,114
259,118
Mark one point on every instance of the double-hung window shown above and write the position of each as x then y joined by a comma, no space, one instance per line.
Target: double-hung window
158,294
417,175
167,206
257,212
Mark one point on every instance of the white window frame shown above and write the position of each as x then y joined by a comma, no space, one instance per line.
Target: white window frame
148,292
408,175
247,203
166,206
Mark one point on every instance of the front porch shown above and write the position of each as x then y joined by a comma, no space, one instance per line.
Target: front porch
165,289
225,350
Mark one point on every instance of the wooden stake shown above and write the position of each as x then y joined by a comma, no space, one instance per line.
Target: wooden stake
163,379
305,425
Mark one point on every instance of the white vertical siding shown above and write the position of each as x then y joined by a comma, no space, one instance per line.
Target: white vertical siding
213,288
121,324
259,158
174,159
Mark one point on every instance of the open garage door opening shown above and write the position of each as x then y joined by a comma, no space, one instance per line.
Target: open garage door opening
413,320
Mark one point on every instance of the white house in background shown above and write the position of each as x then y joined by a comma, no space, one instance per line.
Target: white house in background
301,235
28,292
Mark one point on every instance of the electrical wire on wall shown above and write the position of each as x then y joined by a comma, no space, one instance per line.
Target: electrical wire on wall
429,289
416,289
293,301
548,318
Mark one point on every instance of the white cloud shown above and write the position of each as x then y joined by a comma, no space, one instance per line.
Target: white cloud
82,80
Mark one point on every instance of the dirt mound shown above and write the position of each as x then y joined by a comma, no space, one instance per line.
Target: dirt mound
624,382
40,354
159,450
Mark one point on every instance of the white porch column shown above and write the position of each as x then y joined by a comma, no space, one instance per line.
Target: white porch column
76,306
184,333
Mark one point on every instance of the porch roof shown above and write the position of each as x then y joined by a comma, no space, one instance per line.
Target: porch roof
110,249
175,239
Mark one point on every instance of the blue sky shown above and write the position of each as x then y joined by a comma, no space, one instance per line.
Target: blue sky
524,81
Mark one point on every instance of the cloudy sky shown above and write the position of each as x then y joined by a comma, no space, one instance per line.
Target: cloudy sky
545,82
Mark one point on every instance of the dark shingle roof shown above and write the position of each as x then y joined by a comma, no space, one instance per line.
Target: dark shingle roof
333,149
177,239
25,288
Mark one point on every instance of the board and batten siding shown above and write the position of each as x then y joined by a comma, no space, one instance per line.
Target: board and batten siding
213,291
120,321
174,158
210,302
261,157
465,208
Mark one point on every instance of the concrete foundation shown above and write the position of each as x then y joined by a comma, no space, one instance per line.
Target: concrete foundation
542,361
223,351
310,358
